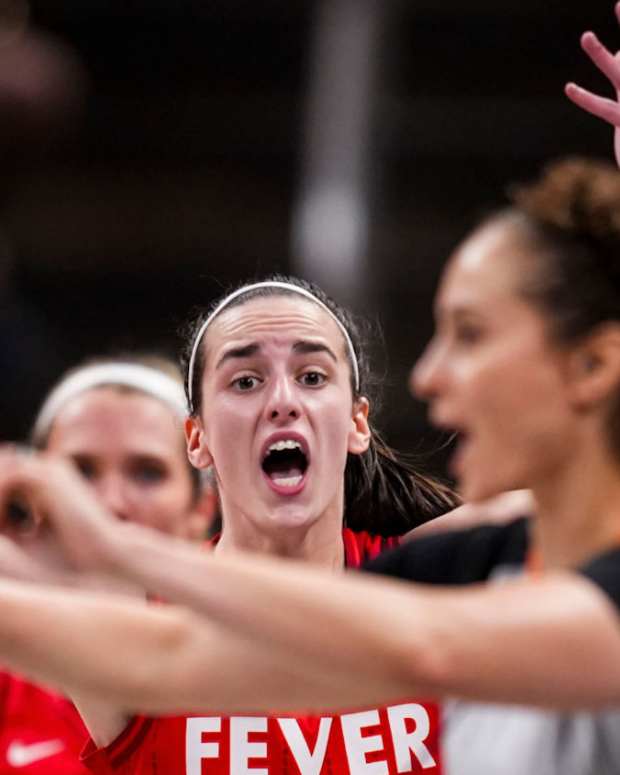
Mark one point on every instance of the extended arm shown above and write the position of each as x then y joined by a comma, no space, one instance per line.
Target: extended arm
498,510
268,626
143,658
523,641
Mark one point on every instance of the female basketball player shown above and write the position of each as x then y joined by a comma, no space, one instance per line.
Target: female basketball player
287,386
120,423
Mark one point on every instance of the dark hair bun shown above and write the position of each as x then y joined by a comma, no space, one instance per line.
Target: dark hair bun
579,196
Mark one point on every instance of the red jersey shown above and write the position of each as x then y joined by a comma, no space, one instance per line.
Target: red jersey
400,738
41,733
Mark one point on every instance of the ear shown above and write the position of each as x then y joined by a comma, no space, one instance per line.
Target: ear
595,368
197,450
359,436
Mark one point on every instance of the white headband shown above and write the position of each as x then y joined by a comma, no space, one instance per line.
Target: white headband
133,375
255,286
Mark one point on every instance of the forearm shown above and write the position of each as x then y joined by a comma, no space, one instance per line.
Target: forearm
72,640
283,604
159,660
518,642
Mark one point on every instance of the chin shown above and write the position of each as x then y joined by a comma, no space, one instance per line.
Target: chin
474,489
291,517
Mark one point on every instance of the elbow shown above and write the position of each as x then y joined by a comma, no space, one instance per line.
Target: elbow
161,682
424,665
150,677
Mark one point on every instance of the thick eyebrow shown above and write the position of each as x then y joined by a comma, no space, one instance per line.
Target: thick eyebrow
305,347
239,352
461,310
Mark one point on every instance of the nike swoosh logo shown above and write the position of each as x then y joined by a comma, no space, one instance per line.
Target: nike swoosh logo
22,754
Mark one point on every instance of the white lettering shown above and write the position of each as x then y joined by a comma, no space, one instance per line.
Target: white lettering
358,746
406,743
241,749
195,749
308,763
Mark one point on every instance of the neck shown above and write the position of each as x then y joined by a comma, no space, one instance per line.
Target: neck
319,542
578,511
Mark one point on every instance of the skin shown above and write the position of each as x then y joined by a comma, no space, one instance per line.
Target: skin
128,446
523,641
498,510
609,65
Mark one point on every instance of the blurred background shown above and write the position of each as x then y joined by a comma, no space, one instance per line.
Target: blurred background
154,151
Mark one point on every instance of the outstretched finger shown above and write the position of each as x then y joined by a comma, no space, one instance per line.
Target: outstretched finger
601,57
608,110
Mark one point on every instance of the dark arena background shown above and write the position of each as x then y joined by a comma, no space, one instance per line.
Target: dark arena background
155,151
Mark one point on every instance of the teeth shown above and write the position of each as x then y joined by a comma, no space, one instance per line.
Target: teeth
289,481
278,446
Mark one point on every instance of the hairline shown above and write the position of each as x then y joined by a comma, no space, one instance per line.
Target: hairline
285,293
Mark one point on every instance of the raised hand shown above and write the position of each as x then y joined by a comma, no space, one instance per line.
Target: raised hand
609,64
51,514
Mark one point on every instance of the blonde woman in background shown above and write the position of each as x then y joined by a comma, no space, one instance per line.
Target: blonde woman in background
120,424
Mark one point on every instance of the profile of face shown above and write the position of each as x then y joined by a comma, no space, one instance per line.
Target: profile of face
493,373
278,416
130,447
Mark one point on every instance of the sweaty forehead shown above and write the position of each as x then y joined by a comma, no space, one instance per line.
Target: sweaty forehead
280,317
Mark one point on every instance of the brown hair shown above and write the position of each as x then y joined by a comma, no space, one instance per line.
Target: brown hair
571,217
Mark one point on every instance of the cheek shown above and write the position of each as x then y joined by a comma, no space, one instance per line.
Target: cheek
506,386
228,426
527,421
170,495
337,425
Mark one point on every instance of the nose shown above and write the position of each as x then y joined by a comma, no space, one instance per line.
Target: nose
427,375
112,491
283,403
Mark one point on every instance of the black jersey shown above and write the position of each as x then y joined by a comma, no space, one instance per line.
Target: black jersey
476,554
484,738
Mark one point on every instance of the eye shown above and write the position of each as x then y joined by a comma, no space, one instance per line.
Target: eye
148,473
245,383
312,379
467,333
85,467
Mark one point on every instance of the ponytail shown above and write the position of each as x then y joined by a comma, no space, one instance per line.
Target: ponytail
386,495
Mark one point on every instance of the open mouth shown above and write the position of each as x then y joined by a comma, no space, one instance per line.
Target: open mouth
285,464
460,441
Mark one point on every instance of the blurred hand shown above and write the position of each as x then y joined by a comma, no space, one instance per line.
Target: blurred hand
609,64
52,518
